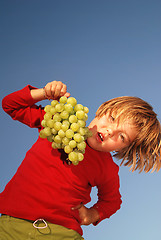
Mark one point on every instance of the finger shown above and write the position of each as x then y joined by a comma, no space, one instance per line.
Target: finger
67,94
53,89
46,92
78,206
48,89
56,90
63,90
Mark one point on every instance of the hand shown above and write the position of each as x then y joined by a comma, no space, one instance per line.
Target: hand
87,215
55,90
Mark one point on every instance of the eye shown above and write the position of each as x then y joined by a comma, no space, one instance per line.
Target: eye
112,118
122,138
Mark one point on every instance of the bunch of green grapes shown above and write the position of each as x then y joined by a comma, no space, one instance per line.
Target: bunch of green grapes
64,125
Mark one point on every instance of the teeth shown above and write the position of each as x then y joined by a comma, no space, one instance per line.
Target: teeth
100,135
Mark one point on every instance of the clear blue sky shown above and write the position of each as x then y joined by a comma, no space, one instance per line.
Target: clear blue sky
101,49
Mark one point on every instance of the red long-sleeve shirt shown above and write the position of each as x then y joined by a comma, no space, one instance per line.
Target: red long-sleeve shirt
46,187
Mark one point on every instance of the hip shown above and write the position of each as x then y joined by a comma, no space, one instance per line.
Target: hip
12,228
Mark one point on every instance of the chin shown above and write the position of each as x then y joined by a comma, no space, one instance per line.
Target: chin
94,145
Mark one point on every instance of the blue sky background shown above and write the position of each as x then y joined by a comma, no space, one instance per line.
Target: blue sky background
100,49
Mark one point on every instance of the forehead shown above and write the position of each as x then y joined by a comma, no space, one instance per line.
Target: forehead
121,116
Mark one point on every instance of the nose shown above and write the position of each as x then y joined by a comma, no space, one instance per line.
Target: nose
111,131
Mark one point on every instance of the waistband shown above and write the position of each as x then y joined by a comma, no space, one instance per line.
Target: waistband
34,223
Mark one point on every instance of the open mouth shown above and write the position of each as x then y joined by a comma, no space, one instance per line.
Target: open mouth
100,136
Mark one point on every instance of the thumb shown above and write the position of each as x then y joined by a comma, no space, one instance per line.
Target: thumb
77,207
67,94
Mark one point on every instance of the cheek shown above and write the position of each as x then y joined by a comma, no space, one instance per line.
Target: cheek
93,123
116,145
123,145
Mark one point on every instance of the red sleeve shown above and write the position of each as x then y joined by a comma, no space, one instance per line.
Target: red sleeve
21,106
109,198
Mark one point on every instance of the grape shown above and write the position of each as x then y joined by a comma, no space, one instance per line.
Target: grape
82,131
56,145
73,156
59,107
54,132
47,116
50,138
74,127
86,110
63,99
54,103
72,101
75,162
72,119
88,133
81,145
57,117
59,145
42,134
64,125
77,137
68,149
57,139
52,110
81,123
64,114
85,117
61,133
68,108
80,114
66,122
43,123
65,140
47,131
72,144
78,107
57,126
47,108
69,133
50,123
80,156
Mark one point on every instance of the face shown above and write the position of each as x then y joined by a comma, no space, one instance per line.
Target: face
109,135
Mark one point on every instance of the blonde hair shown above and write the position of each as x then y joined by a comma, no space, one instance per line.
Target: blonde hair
144,153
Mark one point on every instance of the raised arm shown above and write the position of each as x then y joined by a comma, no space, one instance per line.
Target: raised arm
20,105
